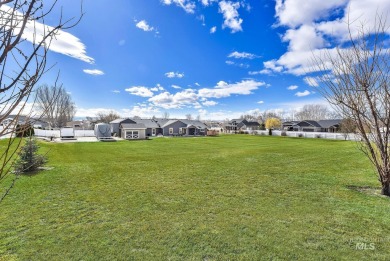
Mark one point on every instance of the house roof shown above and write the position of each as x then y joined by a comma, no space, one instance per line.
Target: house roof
290,122
133,126
122,120
312,123
318,124
149,123
252,123
329,123
195,123
169,122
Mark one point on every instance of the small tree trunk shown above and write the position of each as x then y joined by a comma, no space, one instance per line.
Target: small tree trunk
386,189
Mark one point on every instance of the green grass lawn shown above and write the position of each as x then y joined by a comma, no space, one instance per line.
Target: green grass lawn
235,197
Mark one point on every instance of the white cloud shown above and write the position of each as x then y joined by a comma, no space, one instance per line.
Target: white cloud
187,5
231,16
140,91
292,87
242,55
207,2
260,102
174,75
142,111
209,103
167,100
197,84
143,25
241,65
93,72
300,62
306,38
294,13
63,42
302,94
213,29
197,98
116,91
264,71
312,81
323,25
175,86
224,89
202,19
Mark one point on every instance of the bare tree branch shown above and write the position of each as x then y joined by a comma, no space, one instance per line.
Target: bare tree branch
359,88
22,63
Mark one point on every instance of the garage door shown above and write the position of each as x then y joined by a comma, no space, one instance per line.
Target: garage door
132,135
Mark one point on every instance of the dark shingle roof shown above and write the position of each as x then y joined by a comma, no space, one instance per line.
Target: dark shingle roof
329,123
149,123
133,126
122,120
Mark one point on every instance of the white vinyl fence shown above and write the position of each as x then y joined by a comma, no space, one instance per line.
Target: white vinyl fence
84,133
322,135
57,134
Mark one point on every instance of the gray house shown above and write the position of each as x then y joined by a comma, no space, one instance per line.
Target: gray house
184,128
312,126
143,128
236,125
152,126
115,124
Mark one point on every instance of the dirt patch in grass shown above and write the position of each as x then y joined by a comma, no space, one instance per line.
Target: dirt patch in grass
372,191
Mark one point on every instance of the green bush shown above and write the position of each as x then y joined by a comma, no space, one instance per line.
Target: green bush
28,157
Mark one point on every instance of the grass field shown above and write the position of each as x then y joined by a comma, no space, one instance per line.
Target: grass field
232,197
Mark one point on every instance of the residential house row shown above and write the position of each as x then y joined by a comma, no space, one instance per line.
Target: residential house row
143,128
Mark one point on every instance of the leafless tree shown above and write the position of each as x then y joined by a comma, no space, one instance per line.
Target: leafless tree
347,126
269,114
359,88
24,44
55,105
313,112
165,115
188,116
248,117
107,117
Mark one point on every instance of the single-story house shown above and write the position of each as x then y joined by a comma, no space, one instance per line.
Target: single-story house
184,128
142,128
312,126
152,126
236,125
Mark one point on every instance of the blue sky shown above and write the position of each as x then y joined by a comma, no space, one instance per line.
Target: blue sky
217,59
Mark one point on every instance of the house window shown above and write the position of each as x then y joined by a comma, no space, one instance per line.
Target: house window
170,130
201,130
154,132
180,131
